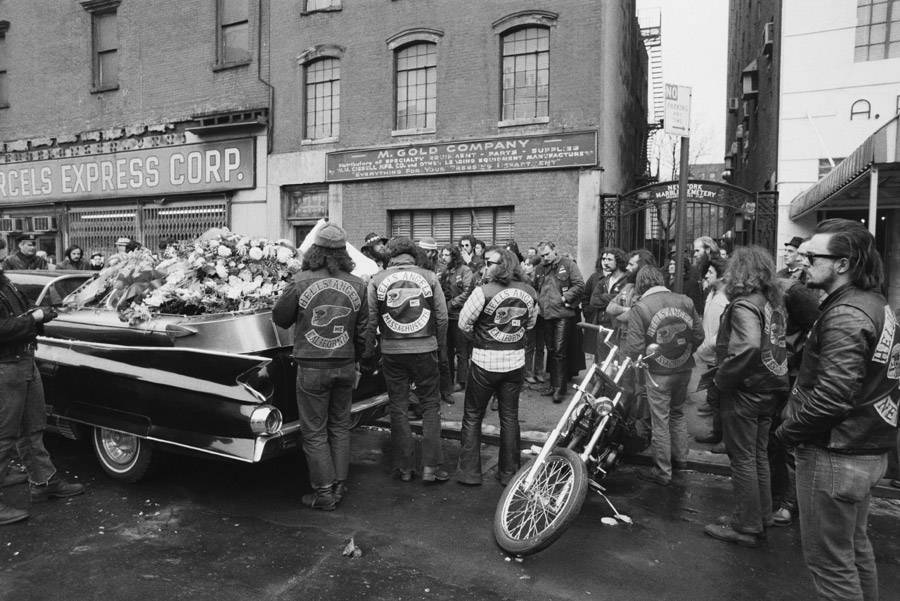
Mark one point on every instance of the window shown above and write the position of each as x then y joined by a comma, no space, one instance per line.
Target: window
104,43
416,75
493,225
233,32
4,61
323,99
861,108
314,5
877,30
526,73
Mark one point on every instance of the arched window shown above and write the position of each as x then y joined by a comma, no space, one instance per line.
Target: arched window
526,73
322,90
861,108
416,76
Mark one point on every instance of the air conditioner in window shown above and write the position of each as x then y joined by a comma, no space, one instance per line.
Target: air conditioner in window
739,131
43,223
734,104
734,148
20,224
768,38
6,224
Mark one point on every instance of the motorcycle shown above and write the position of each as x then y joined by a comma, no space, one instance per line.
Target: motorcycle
544,497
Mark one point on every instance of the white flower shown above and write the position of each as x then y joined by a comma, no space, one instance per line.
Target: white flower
284,254
256,253
224,251
221,271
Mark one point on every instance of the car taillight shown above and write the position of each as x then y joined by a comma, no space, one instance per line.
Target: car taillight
265,419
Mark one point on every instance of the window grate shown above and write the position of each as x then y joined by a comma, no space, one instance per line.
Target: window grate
492,225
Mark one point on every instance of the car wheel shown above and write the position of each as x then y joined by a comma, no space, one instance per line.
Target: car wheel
122,456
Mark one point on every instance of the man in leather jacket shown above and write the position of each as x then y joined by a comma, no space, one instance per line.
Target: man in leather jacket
22,410
842,412
327,306
26,257
669,320
559,284
751,377
407,307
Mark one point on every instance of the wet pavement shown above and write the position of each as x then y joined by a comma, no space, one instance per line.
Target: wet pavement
207,529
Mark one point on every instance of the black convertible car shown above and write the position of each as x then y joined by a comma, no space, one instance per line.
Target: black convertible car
221,384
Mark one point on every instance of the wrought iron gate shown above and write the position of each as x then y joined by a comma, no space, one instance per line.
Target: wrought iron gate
646,217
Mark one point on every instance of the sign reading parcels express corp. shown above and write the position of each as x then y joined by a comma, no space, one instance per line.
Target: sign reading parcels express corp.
550,151
206,167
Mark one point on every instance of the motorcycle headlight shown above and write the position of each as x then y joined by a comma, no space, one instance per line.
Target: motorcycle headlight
604,406
265,419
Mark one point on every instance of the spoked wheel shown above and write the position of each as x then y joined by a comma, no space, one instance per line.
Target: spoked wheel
528,520
122,456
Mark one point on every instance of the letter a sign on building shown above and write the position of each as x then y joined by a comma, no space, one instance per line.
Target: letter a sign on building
677,115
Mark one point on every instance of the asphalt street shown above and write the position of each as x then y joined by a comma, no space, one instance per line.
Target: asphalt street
208,529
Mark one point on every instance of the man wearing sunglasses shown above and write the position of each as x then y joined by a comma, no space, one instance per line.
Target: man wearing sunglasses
842,413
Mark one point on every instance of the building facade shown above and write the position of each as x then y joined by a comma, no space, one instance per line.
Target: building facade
145,119
825,81
497,118
161,119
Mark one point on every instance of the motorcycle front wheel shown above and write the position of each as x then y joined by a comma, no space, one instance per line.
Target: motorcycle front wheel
530,519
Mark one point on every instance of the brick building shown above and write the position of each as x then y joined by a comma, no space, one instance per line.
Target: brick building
495,117
130,118
163,118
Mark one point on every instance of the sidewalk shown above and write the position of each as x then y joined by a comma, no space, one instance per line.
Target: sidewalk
538,416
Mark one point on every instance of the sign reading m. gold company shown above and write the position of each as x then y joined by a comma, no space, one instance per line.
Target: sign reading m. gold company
207,167
522,153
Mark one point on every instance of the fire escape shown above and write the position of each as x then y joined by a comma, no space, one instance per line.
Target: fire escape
651,32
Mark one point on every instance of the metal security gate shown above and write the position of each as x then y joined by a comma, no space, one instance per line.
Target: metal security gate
96,229
646,217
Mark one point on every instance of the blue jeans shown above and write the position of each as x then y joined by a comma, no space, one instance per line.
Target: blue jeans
746,420
833,491
324,396
666,399
23,417
481,386
399,371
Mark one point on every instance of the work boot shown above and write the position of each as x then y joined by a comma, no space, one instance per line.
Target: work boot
727,533
558,397
709,439
56,487
432,475
447,397
782,517
11,515
655,475
338,489
322,498
14,478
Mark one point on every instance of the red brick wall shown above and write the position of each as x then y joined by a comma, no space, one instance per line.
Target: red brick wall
468,94
545,202
166,54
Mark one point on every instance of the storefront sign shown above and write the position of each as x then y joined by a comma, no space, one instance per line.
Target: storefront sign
551,151
190,168
695,192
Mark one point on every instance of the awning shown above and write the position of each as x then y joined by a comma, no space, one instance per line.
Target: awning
848,182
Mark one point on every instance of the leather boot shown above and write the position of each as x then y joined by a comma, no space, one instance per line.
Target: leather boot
14,478
339,489
11,515
55,488
322,498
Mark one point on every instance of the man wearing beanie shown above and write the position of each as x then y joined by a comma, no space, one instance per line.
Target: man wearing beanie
327,307
407,305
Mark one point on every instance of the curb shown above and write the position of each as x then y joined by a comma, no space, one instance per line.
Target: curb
698,461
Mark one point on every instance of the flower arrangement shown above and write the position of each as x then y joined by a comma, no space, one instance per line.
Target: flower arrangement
219,272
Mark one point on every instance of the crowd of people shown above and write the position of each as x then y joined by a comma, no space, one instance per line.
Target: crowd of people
800,367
